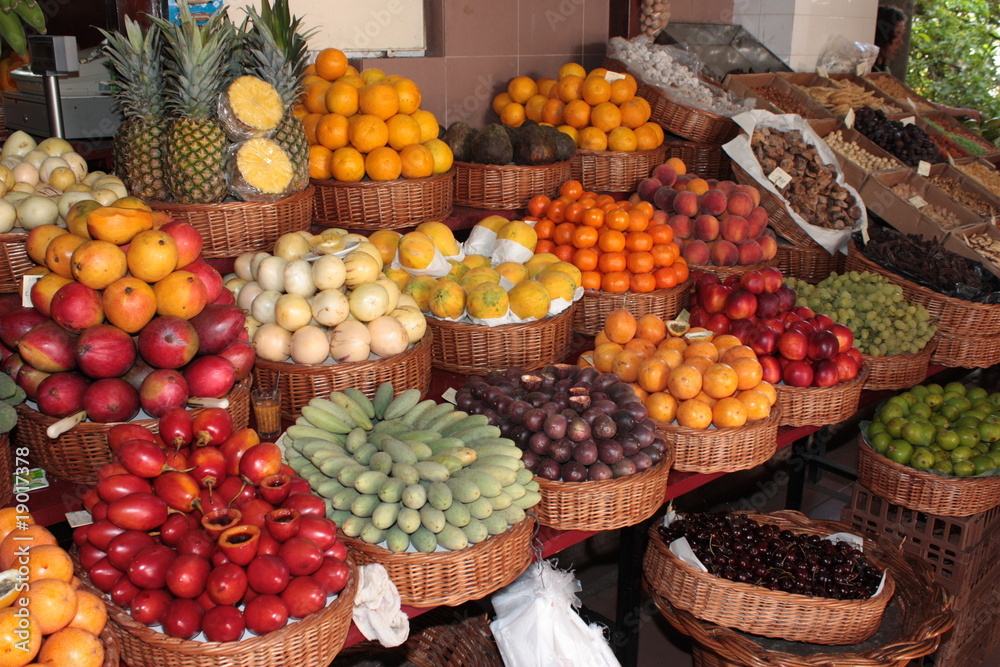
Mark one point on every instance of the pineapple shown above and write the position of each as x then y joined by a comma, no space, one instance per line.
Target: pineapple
197,70
260,170
250,107
276,51
140,142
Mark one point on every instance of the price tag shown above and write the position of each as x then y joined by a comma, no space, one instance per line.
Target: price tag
864,235
913,105
589,358
924,168
77,519
917,201
861,69
909,120
449,395
849,119
26,284
779,177
613,76
822,71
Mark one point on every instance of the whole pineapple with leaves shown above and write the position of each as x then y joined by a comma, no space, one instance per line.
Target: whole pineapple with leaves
198,67
140,142
276,52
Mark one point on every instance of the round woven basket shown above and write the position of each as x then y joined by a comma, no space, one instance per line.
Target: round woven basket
708,450
811,264
615,171
820,406
965,350
759,610
924,491
692,124
476,349
607,504
920,613
6,470
596,304
14,261
373,205
453,577
232,228
705,160
778,216
500,187
299,383
112,647
954,316
76,455
898,371
738,270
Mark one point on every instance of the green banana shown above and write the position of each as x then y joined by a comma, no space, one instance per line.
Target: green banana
363,401
402,403
383,397
335,409
352,408
324,420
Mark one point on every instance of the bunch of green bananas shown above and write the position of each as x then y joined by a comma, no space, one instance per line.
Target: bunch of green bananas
13,15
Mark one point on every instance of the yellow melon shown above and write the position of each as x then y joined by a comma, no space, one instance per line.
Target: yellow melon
493,222
480,274
487,301
564,267
472,261
447,299
519,232
416,250
419,287
512,271
398,276
529,299
387,241
442,236
559,284
458,269
538,262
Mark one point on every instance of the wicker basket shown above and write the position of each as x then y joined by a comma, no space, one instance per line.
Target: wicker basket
924,491
476,349
232,228
954,316
596,304
14,261
778,216
965,350
738,270
453,577
761,611
705,160
373,205
820,406
77,454
6,470
688,122
604,505
615,171
811,264
920,615
500,187
898,371
112,647
708,450
301,382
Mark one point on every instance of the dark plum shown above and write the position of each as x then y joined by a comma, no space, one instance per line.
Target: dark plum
506,427
637,409
530,460
476,386
623,419
586,376
642,461
574,471
580,402
517,410
537,398
513,373
630,444
502,405
599,471
548,469
561,399
477,408
520,435
464,399
620,388
577,430
494,376
492,415
555,426
585,452
659,445
654,454
645,432
598,396
592,413
567,371
562,385
561,450
603,426
605,380
531,382
609,451
605,405
551,407
534,419
623,468
539,443
492,393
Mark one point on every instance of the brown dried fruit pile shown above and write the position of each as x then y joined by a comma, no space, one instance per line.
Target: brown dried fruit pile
969,200
784,101
943,217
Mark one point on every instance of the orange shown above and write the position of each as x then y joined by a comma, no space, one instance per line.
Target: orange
372,75
735,352
500,101
569,130
705,398
653,374
684,382
673,357
537,206
694,414
342,98
621,90
441,152
533,107
612,261
331,131
521,89
620,326
314,98
702,348
719,380
379,100
319,162
723,342
616,282
72,646
585,237
756,404
383,164
729,412
49,561
576,113
552,111
626,365
661,406
52,603
408,94
347,164
673,343
403,131
91,614
20,638
598,71
575,69
646,138
664,255
32,536
657,131
622,139
642,346
650,327
604,355
513,114
572,189
367,132
638,221
618,220
545,86
10,517
638,241
331,64
680,267
309,123
563,234
640,393
428,123
544,245
699,362
353,79
606,116
593,217
749,372
574,212
416,161
664,276
633,114
640,261
545,228
768,390
590,279
570,88
611,240
601,338
596,90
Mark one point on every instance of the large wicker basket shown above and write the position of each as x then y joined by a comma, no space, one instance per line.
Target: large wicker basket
924,491
77,454
708,450
14,261
778,216
232,228
920,613
898,371
811,264
476,349
373,205
299,383
6,470
965,350
705,160
453,577
692,124
499,187
759,610
820,406
112,647
604,505
615,171
596,304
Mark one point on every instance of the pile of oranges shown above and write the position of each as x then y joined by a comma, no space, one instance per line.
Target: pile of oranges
695,379
367,124
600,114
618,246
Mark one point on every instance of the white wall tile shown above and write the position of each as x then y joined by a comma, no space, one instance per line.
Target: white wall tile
747,7
776,32
750,23
778,6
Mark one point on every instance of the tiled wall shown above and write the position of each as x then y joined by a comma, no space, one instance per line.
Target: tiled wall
488,42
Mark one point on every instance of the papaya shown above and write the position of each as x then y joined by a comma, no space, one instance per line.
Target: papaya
487,301
529,299
76,218
416,250
442,236
117,225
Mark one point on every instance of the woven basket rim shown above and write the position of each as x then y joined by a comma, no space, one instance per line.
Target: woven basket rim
395,183
606,485
514,327
601,294
729,431
9,237
509,167
233,205
927,478
349,366
925,351
710,114
649,152
840,387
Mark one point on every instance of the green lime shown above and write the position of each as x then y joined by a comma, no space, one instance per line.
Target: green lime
938,420
895,426
961,453
918,434
922,458
968,436
934,401
995,398
983,463
880,441
920,391
968,420
901,402
889,412
934,388
989,431
949,412
981,448
983,404
965,468
910,398
899,451
920,410
945,467
956,387
995,455
961,402
947,440
995,447
976,393
876,427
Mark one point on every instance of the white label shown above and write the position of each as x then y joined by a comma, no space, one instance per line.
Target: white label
864,235
849,118
779,177
26,284
589,358
449,395
822,71
924,168
613,76
909,120
951,160
861,69
77,519
918,201
913,105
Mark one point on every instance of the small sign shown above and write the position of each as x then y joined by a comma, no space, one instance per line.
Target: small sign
27,282
589,358
917,201
924,168
822,71
449,395
613,76
864,235
913,105
780,177
951,159
861,69
77,519
849,119
909,120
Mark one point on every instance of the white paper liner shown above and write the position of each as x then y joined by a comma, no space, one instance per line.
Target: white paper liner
438,268
510,251
741,152
481,241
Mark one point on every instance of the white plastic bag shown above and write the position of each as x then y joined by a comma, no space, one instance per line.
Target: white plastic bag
842,56
536,625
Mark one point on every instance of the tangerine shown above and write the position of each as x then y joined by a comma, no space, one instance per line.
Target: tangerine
610,240
684,382
729,412
592,139
749,372
331,131
693,413
626,365
719,380
331,64
653,374
661,406
522,88
605,116
756,404
616,282
342,97
513,115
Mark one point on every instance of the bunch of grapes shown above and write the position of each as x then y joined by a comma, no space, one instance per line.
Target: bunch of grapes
735,547
875,310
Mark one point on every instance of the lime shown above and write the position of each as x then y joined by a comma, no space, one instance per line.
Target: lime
899,451
961,402
934,401
947,440
938,420
920,391
983,464
918,434
965,468
935,388
995,447
967,420
920,410
945,467
983,404
961,453
876,427
922,458
976,393
880,441
981,448
901,402
909,398
989,431
995,455
895,426
949,412
995,398
889,412
968,436
957,387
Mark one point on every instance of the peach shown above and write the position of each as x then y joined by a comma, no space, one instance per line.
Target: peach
682,226
713,202
706,228
686,203
756,224
660,217
750,252
664,197
768,246
724,253
665,174
726,186
682,182
740,204
696,252
735,229
647,188
750,190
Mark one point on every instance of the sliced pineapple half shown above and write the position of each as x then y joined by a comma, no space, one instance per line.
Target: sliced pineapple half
260,170
250,107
